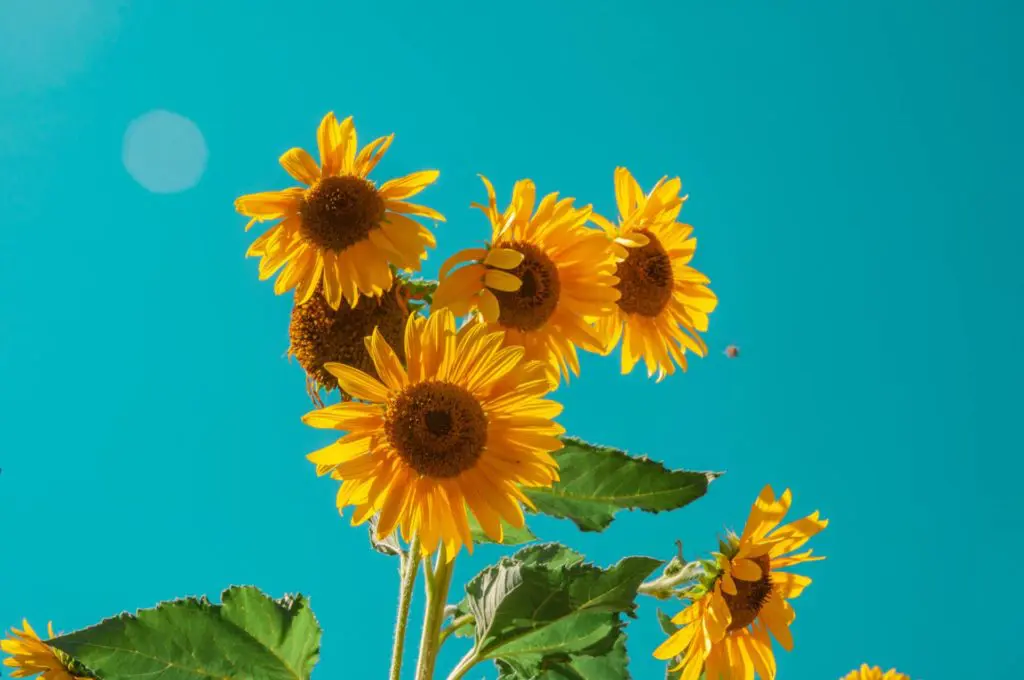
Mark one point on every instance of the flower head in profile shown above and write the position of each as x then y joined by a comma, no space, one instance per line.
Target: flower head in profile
340,231
664,302
29,656
463,424
542,279
745,596
320,334
874,673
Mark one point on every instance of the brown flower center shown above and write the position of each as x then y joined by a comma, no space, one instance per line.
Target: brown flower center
750,596
338,212
529,308
439,429
645,279
320,334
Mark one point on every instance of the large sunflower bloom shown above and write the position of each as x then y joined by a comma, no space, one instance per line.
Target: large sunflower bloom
341,231
725,630
664,302
875,673
464,424
542,279
29,656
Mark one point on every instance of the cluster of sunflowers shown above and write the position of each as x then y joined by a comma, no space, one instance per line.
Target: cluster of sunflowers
447,425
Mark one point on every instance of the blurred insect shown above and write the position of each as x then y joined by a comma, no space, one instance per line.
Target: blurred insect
732,351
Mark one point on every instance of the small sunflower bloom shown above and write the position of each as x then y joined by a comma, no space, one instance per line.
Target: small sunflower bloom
874,673
463,423
319,334
725,631
664,302
543,278
340,231
29,656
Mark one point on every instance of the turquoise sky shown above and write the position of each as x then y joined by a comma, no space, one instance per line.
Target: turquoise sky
850,169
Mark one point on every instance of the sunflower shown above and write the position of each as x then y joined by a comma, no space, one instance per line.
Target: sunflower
744,597
319,335
465,424
876,673
542,278
341,231
29,655
664,302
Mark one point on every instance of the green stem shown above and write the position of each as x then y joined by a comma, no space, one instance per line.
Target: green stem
467,662
410,566
664,586
437,596
455,625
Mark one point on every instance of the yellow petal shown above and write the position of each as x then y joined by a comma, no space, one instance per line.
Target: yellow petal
300,165
413,209
503,281
746,570
488,306
633,239
368,158
467,255
269,205
358,384
503,258
410,185
328,139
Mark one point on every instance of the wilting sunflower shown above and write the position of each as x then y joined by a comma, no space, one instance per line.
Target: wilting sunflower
29,656
744,597
320,335
463,424
542,279
341,231
875,673
664,302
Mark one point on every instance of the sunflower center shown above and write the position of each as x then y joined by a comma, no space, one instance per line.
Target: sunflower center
645,279
338,212
529,308
437,428
750,596
320,334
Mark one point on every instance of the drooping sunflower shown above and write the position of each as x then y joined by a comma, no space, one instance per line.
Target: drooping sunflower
29,655
341,231
744,597
543,278
464,423
664,302
319,335
874,673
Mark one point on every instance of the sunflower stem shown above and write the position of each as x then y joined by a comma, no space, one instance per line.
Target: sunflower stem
437,596
410,565
455,625
664,586
471,659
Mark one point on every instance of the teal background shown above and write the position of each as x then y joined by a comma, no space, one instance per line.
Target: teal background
853,168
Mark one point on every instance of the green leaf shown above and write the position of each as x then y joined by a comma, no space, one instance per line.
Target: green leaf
248,636
611,666
596,482
421,289
543,607
510,534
